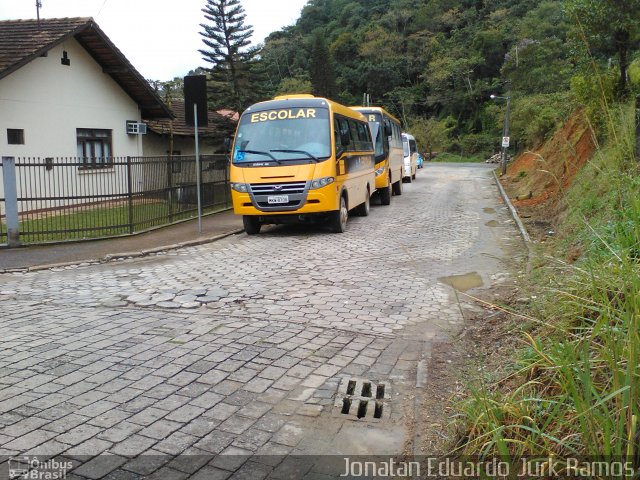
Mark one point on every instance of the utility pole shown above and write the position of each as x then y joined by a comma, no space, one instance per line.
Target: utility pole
505,133
38,7
505,136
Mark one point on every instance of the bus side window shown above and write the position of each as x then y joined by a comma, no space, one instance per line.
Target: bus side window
364,138
356,143
385,139
341,131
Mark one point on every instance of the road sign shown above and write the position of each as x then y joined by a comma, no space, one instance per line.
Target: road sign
505,142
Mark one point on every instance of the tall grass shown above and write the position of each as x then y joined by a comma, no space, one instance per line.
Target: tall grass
578,384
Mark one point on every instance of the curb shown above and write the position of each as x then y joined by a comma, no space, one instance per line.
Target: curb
135,254
516,218
514,213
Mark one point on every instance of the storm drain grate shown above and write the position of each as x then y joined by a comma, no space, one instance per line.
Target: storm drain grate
360,398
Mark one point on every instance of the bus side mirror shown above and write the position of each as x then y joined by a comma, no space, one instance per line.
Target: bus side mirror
227,144
387,130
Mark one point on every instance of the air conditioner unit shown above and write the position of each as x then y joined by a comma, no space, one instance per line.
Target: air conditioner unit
136,128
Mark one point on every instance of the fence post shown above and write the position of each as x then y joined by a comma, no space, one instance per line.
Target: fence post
130,193
11,200
170,186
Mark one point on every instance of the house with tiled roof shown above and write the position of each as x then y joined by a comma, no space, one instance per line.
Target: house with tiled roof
67,91
173,136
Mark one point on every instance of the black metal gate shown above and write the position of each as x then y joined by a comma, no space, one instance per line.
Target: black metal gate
62,199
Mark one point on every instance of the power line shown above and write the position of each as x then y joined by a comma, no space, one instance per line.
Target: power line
100,11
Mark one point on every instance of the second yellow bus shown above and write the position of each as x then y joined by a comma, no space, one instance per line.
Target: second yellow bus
386,133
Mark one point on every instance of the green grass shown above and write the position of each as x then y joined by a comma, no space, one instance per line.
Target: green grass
452,158
103,221
577,390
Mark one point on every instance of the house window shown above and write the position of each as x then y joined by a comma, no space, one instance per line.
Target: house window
94,148
15,136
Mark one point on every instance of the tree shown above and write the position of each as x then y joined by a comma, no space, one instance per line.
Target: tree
609,26
533,66
292,85
227,38
323,77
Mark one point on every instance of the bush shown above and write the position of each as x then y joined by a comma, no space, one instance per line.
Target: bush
535,118
430,133
596,93
634,76
478,144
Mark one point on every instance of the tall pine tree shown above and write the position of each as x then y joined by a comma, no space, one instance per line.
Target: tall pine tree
227,39
321,70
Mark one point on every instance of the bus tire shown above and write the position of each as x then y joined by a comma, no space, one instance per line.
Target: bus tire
364,208
385,194
340,216
397,187
251,224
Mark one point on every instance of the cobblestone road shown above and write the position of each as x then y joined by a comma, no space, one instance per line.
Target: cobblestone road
213,361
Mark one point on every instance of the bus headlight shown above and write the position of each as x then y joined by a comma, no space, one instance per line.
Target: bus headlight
240,187
379,171
321,182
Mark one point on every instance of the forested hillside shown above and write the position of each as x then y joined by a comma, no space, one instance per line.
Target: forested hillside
436,63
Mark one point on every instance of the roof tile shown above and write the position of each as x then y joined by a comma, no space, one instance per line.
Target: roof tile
23,40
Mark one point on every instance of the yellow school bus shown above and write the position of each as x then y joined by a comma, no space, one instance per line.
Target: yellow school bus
301,158
386,133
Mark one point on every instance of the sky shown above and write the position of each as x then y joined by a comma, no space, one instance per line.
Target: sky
159,37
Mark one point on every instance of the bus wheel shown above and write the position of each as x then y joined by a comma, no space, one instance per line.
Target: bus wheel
364,208
251,224
339,217
397,187
385,194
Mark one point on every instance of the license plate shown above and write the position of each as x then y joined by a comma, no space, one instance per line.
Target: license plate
276,199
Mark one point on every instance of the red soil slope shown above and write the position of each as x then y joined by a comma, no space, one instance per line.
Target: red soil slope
535,180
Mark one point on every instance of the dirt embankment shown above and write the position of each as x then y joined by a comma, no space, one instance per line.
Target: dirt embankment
536,180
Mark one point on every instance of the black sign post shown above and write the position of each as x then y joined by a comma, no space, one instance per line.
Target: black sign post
196,113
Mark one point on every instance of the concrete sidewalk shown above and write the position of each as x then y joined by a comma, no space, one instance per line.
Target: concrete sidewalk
43,256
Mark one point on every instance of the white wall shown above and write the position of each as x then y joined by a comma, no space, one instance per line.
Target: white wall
49,101
158,145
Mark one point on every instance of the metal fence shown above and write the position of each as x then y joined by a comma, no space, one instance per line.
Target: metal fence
61,199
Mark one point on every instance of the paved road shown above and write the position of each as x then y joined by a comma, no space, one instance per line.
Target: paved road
249,347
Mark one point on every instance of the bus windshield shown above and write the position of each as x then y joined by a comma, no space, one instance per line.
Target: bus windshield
377,133
283,134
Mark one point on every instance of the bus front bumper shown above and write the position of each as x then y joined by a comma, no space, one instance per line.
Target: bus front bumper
321,200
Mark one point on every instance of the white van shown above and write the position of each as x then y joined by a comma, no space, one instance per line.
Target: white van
410,150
